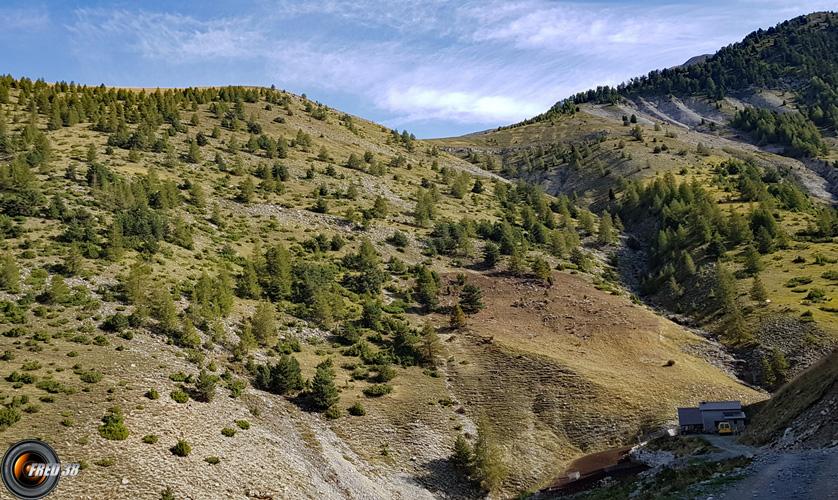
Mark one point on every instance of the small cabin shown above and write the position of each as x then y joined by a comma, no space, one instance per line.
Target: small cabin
707,416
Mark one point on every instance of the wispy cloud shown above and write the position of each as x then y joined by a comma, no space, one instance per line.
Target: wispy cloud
481,63
27,19
173,37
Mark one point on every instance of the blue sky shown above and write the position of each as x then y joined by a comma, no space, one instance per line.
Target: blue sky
433,67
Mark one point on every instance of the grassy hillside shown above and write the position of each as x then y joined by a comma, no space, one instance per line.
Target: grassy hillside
259,275
726,230
800,413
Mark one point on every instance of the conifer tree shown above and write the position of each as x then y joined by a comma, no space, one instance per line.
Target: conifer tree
471,299
194,153
264,324
758,292
115,247
429,344
491,255
426,288
605,234
324,393
463,455
457,319
9,273
541,269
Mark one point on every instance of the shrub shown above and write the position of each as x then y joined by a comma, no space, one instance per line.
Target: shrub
212,460
31,366
205,386
152,394
91,376
243,424
115,323
51,386
8,417
179,396
332,413
357,410
113,425
23,378
377,390
181,449
816,295
228,432
150,439
385,373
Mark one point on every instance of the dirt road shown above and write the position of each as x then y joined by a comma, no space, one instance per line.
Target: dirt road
801,475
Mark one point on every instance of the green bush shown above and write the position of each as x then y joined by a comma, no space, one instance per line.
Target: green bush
333,412
377,390
150,439
212,460
228,432
357,410
243,424
113,425
181,449
115,323
8,417
179,396
91,376
17,377
152,394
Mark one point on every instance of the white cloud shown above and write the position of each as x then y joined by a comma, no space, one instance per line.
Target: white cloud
169,37
489,61
24,19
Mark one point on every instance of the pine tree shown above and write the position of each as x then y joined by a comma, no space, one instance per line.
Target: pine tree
264,324
188,336
164,311
541,269
205,386
9,273
430,345
753,263
424,210
491,255
57,292
247,340
115,247
73,260
194,153
488,467
248,282
426,288
246,190
277,273
324,393
457,319
517,262
197,195
471,299
758,292
463,455
605,235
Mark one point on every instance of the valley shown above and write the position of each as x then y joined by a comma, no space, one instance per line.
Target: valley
266,297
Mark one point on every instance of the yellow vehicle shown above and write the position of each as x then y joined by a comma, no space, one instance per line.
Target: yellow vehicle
725,428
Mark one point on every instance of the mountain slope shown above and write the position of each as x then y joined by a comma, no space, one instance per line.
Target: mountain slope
747,150
178,253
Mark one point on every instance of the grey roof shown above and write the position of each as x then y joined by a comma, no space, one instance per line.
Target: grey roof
689,416
734,415
720,406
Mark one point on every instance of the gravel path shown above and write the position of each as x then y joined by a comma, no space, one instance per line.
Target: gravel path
803,475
